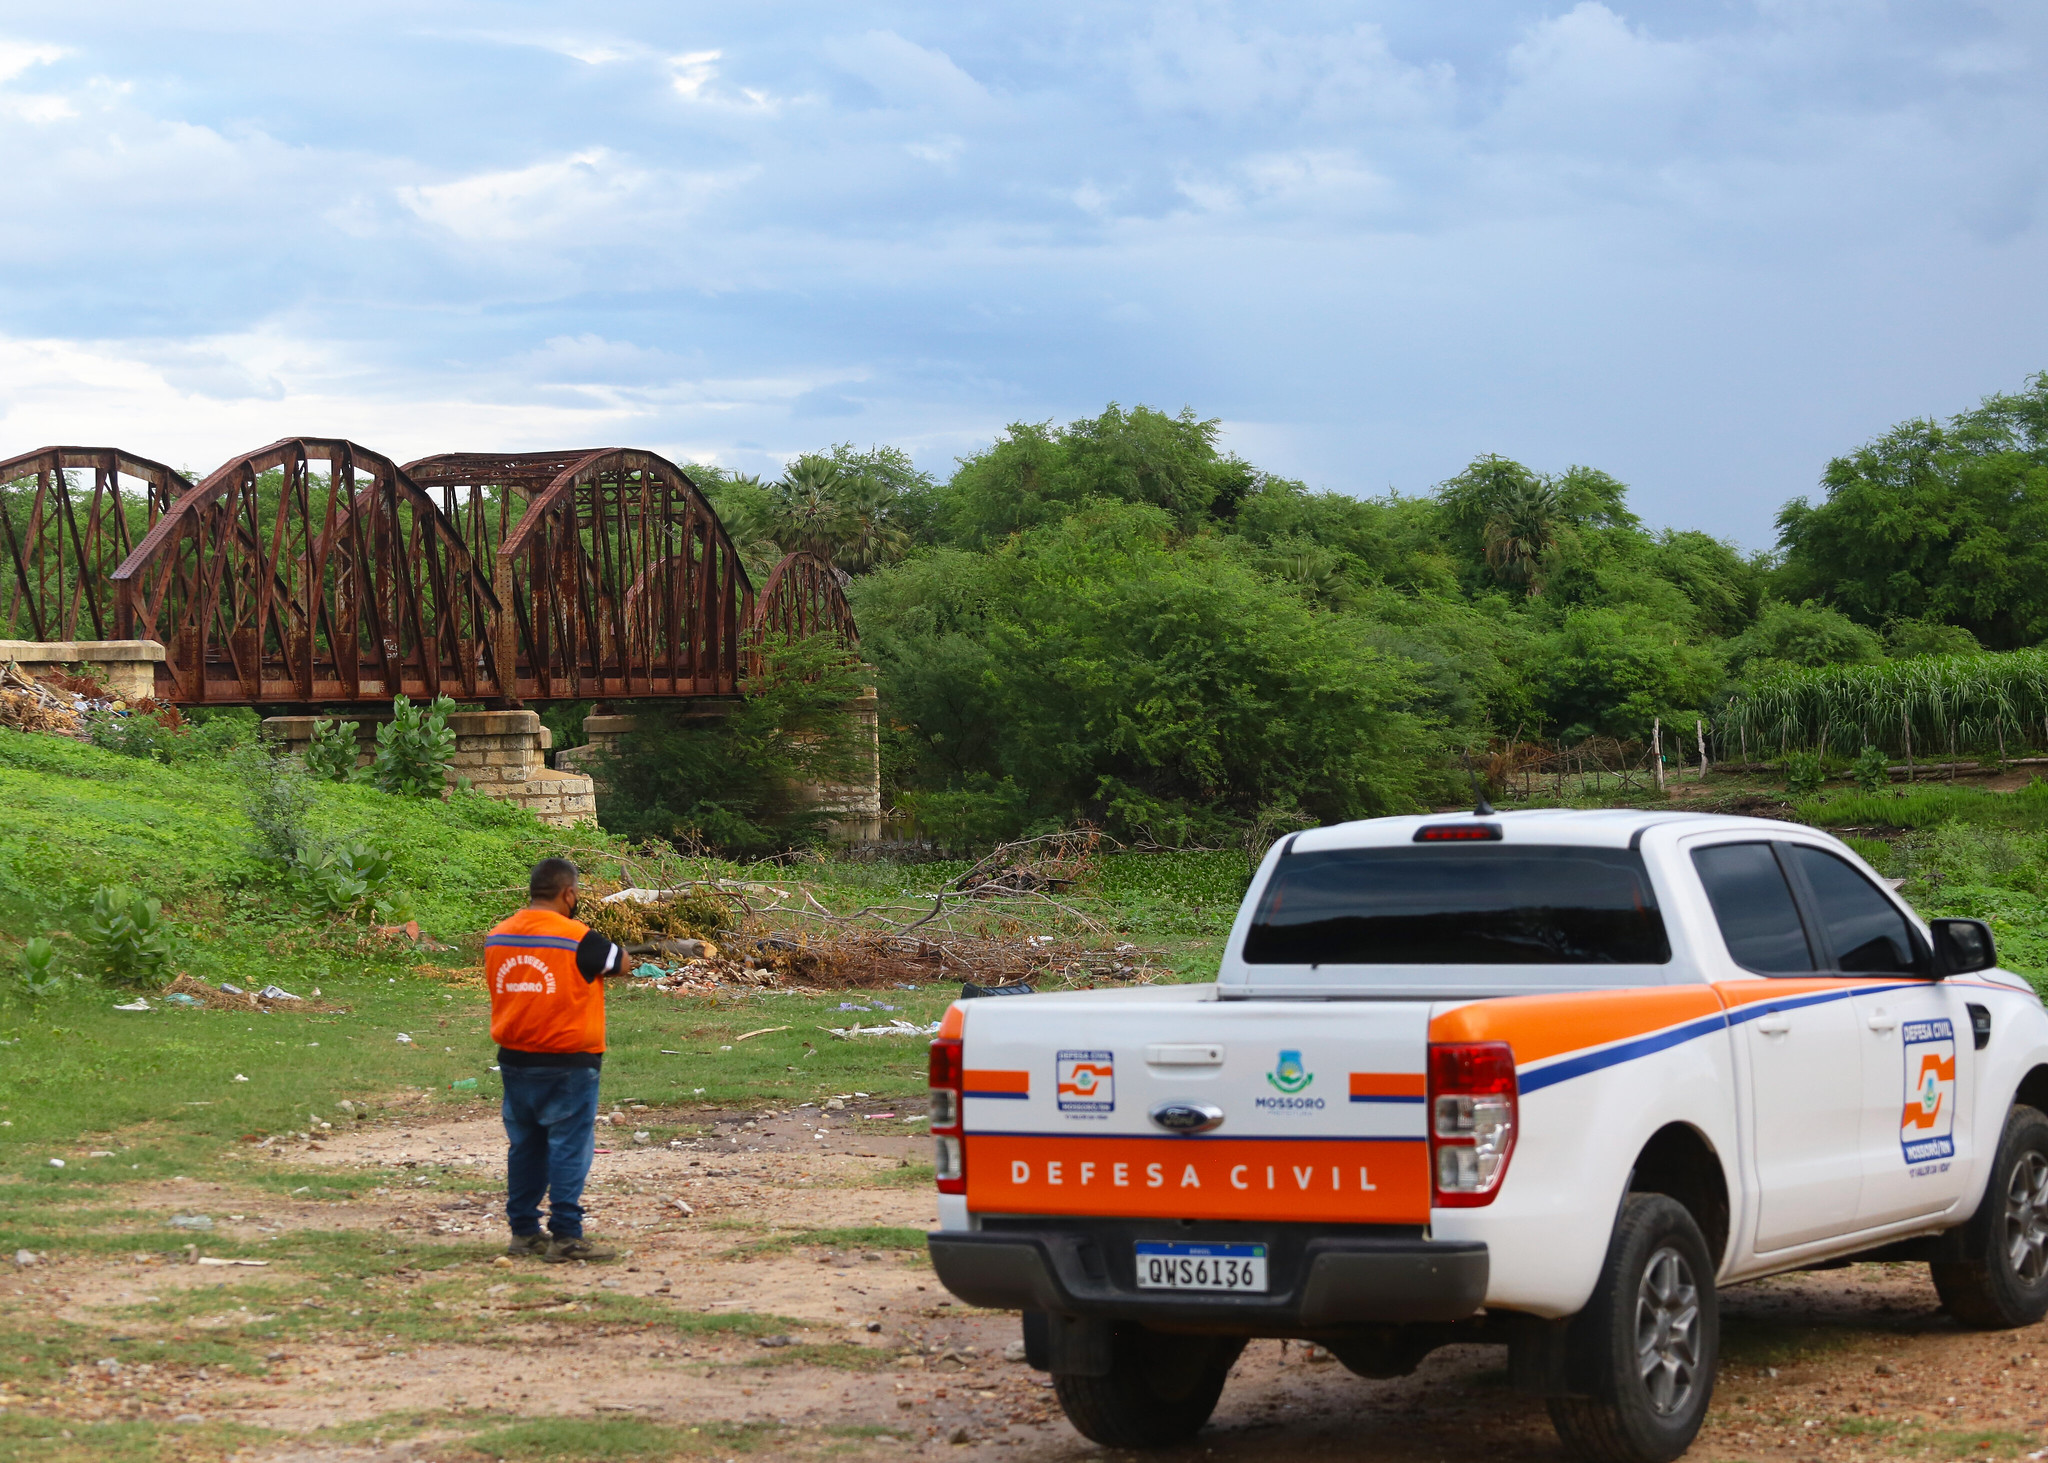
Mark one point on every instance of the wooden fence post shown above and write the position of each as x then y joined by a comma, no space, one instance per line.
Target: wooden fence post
1657,748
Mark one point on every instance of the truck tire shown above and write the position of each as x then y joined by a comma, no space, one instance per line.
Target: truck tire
2006,1283
1646,1345
1160,1389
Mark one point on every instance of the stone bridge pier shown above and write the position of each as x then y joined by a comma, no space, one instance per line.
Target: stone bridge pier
502,754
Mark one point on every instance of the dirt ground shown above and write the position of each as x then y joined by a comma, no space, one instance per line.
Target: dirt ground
1848,1363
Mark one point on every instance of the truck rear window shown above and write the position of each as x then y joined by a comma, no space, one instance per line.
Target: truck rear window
1465,904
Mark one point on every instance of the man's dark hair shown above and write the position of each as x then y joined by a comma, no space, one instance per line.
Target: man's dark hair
549,878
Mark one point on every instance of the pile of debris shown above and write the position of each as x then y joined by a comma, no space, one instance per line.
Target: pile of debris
26,704
188,990
810,963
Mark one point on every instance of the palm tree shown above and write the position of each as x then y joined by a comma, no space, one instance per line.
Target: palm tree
869,535
807,514
1521,532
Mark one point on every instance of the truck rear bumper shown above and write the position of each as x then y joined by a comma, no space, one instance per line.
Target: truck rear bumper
1333,1281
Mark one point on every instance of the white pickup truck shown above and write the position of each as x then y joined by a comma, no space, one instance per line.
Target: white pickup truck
1546,1079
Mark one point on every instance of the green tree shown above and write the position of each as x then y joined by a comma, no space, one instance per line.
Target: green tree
741,783
1942,523
1607,672
1167,686
1805,634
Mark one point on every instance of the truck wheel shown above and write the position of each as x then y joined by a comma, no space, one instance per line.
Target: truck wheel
2006,1285
1646,1345
1160,1389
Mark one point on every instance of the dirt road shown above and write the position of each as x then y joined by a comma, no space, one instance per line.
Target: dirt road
791,1313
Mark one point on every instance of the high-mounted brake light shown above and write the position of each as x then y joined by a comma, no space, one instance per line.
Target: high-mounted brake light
948,1076
1473,1105
1458,833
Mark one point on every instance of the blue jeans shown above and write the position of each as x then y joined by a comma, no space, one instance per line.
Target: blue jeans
551,1127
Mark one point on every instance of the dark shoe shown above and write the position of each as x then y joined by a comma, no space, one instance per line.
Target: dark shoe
527,1244
567,1251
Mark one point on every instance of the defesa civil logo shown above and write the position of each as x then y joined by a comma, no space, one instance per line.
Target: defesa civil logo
1086,1081
1928,1122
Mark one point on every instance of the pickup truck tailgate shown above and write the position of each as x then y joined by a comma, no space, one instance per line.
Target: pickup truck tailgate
1313,1110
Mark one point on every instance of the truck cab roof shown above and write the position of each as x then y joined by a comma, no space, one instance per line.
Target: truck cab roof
1618,883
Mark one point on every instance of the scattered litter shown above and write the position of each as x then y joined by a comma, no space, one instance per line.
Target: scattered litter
642,1137
138,1004
681,1204
775,1341
275,993
649,971
898,1027
240,1078
463,1084
56,1163
179,998
233,990
191,1221
404,1040
210,1260
969,990
762,1031
667,1053
102,1153
30,1257
917,1118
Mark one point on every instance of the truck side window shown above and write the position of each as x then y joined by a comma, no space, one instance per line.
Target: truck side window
1868,933
1754,907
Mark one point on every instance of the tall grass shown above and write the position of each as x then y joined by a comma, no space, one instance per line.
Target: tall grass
1929,708
1929,807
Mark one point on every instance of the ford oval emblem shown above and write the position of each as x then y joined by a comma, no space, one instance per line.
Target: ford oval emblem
1187,1117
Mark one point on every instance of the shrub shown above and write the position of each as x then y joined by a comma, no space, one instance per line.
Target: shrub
126,938
157,732
277,798
1803,773
36,976
414,748
339,877
1872,770
331,755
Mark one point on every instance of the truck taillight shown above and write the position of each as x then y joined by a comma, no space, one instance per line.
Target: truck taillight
1472,1110
949,1159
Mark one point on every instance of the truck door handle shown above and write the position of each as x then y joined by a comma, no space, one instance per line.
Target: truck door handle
1882,1021
1775,1024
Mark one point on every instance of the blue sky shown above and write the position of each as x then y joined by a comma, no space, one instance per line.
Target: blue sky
1703,246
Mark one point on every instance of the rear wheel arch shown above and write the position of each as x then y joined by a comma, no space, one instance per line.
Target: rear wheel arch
1680,1163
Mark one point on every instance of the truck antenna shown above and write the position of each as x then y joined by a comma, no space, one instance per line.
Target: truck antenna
1482,808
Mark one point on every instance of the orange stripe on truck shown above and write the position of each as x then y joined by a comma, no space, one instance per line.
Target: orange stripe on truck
1778,987
992,1081
1389,1084
1546,1026
1364,1180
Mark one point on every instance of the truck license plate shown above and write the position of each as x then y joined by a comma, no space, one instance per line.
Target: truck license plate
1201,1267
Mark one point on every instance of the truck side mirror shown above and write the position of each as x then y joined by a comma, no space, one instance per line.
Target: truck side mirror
1961,946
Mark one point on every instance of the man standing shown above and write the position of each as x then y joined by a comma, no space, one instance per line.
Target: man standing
546,975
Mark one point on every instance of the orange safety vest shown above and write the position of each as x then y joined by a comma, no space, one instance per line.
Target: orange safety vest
540,1001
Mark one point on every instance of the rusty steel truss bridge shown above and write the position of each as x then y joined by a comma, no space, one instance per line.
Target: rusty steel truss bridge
315,572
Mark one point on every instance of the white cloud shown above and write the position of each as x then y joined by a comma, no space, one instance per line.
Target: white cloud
907,75
17,56
536,201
